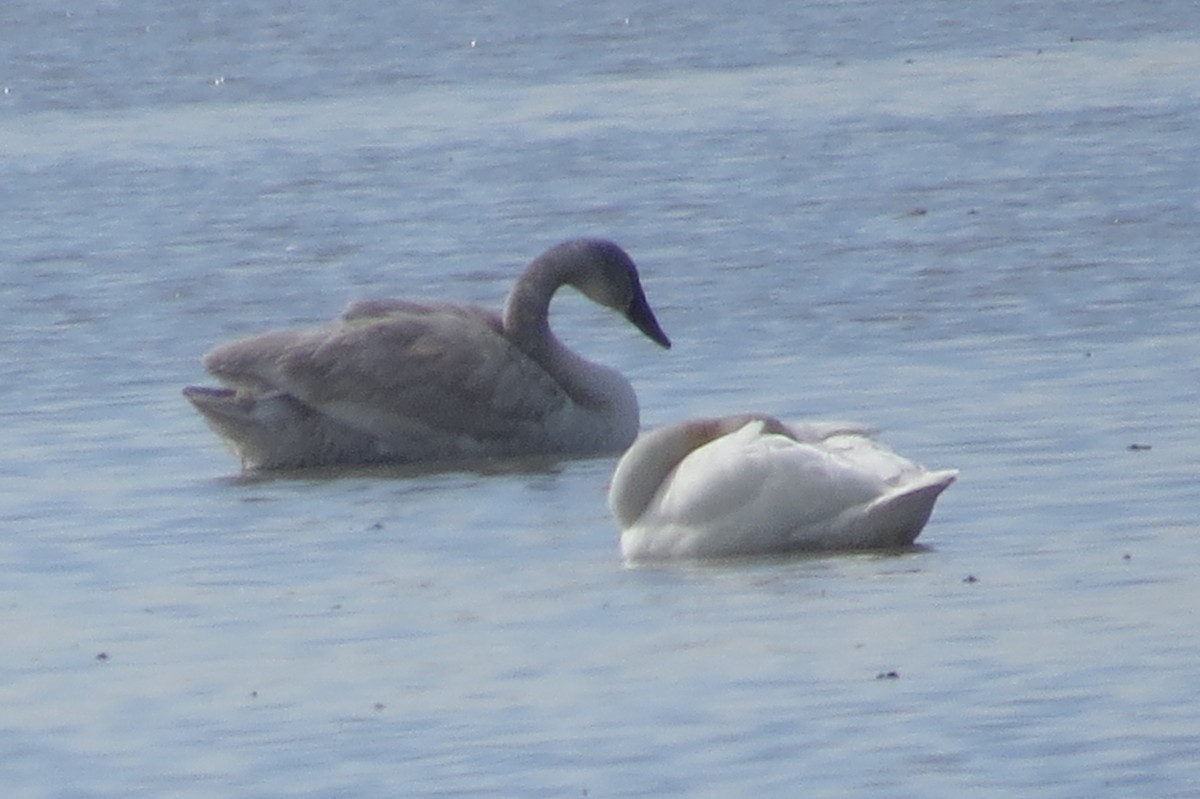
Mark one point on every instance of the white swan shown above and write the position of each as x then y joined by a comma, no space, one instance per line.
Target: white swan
397,381
751,485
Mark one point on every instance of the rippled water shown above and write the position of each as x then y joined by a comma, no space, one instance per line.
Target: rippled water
976,228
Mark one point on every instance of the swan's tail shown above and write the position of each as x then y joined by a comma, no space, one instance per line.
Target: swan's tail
272,431
899,517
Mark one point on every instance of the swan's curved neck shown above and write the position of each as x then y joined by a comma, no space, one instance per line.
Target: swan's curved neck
526,325
642,470
527,310
645,466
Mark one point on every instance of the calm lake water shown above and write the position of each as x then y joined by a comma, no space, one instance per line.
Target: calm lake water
975,226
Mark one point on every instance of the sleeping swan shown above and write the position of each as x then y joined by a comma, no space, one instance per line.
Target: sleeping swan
750,485
397,381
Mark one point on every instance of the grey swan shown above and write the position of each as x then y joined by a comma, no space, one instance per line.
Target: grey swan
394,381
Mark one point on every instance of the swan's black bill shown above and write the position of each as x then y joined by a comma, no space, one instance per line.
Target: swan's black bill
642,316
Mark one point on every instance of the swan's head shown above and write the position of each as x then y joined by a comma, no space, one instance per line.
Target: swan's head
605,274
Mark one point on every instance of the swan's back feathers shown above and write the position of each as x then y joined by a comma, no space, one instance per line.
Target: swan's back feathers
735,473
383,307
401,372
752,485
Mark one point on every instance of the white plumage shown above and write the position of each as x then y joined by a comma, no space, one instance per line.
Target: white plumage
751,485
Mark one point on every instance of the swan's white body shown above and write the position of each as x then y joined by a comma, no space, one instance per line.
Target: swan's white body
397,381
750,485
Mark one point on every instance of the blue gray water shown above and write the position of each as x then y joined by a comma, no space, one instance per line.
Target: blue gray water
974,226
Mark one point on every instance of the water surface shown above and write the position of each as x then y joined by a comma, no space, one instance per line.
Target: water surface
973,228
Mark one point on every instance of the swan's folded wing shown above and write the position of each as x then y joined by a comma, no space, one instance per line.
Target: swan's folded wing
413,371
386,307
754,481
